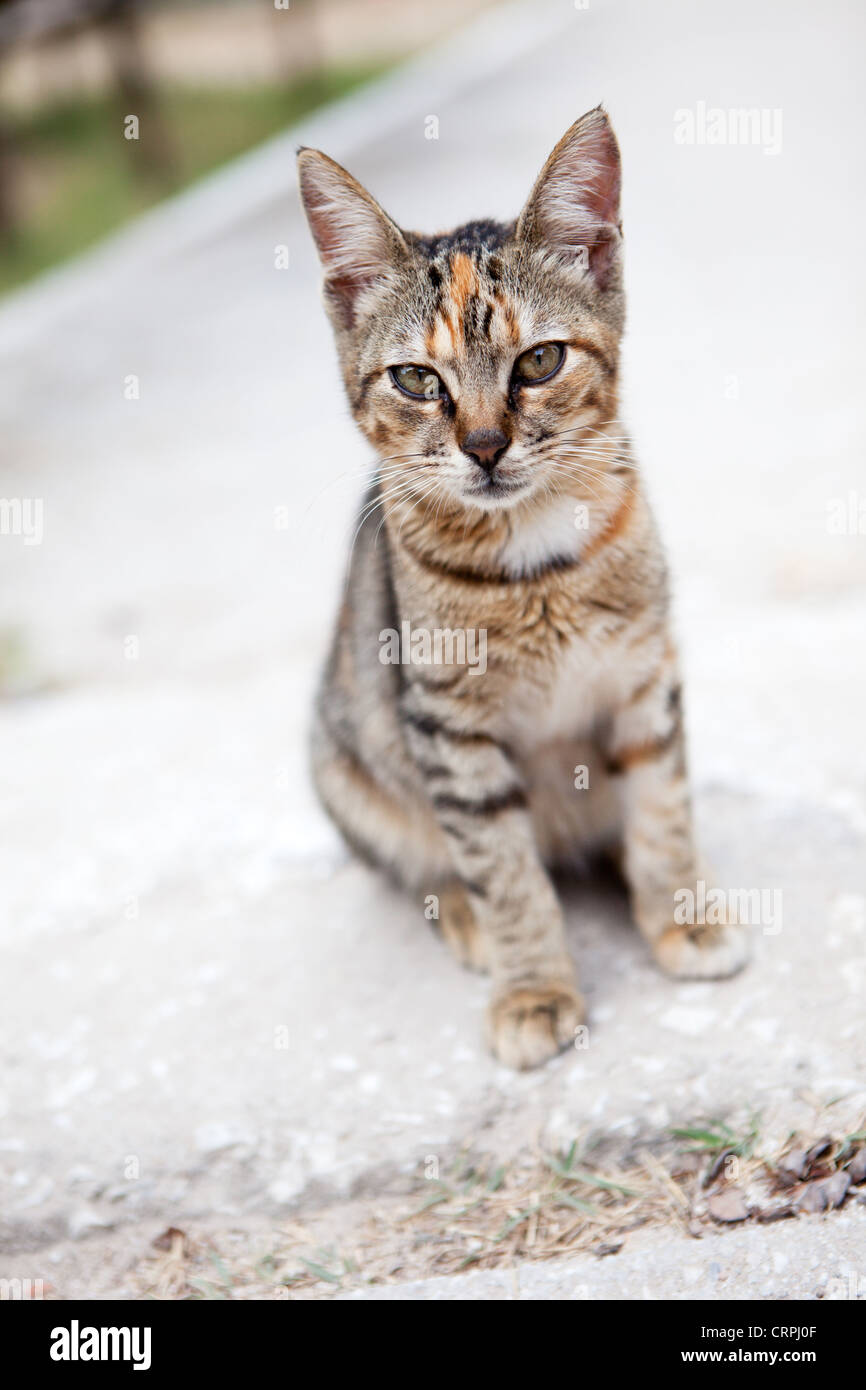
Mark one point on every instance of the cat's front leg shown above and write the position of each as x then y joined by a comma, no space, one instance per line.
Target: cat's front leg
646,749
479,801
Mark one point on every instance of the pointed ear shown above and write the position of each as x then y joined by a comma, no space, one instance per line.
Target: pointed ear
358,243
573,210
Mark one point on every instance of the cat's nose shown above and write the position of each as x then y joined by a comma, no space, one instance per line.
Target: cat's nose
486,447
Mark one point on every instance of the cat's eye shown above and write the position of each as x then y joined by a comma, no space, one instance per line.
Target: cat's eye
418,382
539,363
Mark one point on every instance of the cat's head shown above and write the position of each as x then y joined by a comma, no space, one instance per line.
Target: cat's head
471,360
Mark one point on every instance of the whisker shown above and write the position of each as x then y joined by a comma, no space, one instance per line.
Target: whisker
578,465
406,497
573,451
570,473
580,472
379,501
374,470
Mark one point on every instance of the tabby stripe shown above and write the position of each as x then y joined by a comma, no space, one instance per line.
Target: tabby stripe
643,689
467,576
363,384
435,769
418,677
642,752
554,565
478,889
612,529
593,350
605,607
426,724
512,800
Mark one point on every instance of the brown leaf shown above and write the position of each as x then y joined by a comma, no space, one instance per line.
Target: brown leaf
812,1198
817,1151
170,1239
792,1167
776,1214
829,1192
717,1165
836,1188
856,1169
729,1205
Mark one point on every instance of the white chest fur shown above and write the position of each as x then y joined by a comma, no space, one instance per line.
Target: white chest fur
553,528
589,682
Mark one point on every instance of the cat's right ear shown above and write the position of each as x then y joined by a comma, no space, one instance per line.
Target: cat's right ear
358,243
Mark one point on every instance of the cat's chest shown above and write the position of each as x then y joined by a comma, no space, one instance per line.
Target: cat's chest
554,658
570,692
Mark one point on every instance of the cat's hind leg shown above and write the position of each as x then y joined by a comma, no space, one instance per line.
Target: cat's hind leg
406,844
385,827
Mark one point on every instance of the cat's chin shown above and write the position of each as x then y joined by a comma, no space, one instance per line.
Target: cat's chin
495,497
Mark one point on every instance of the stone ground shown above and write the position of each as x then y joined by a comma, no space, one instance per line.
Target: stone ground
210,1013
801,1261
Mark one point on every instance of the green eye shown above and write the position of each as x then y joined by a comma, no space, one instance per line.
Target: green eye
419,382
539,362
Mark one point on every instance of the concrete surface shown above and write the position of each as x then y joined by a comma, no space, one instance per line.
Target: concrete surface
795,1260
207,1007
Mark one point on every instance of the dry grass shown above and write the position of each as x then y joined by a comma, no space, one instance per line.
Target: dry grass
481,1215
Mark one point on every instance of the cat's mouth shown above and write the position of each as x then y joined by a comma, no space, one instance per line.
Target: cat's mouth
491,490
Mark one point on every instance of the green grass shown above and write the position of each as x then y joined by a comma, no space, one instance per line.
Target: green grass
75,178
720,1139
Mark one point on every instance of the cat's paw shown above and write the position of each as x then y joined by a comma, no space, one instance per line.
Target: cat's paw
460,929
703,953
527,1026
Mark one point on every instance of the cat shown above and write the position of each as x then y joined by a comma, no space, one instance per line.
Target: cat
482,365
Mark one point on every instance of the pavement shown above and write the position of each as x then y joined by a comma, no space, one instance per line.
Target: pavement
798,1261
209,1010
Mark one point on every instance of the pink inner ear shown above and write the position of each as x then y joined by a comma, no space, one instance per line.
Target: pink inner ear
355,241
584,191
606,190
595,159
343,290
602,254
342,285
325,228
577,200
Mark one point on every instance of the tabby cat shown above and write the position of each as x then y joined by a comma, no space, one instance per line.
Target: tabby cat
482,365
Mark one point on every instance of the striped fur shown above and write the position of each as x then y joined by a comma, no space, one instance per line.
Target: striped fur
462,784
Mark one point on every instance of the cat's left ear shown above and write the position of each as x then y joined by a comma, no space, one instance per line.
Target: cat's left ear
358,243
573,210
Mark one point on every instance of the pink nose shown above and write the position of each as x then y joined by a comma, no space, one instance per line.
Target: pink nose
486,447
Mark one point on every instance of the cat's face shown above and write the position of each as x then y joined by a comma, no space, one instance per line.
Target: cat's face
475,361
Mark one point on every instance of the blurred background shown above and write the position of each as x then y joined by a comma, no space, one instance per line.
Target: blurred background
207,80
213,1019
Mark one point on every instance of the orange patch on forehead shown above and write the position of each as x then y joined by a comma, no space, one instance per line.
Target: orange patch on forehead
464,281
467,311
462,286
